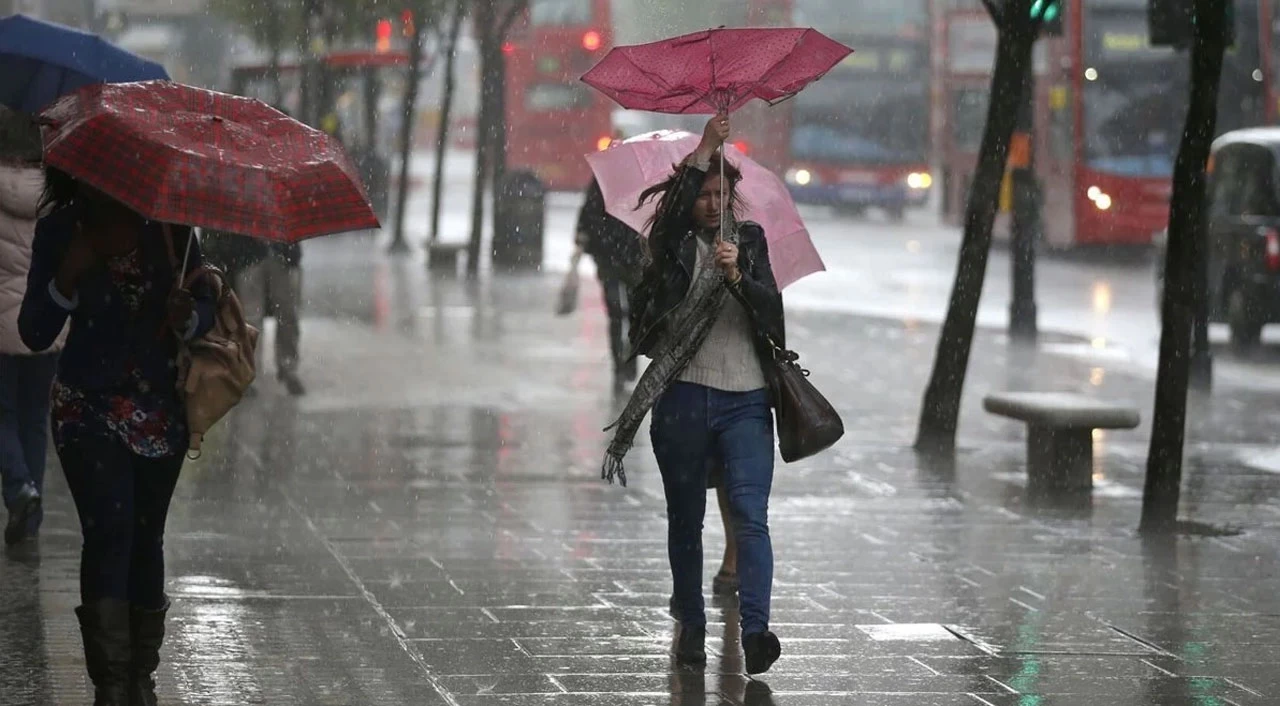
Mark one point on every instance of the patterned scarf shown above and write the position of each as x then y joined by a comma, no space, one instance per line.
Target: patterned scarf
685,335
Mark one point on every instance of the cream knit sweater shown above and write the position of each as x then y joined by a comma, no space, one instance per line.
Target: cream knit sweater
727,359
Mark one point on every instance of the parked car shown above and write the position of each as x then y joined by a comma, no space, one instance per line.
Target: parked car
1243,232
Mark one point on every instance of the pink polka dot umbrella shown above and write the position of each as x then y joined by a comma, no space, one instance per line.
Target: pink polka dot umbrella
717,70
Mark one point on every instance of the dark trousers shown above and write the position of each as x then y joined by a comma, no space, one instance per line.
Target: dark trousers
122,500
25,381
615,303
692,423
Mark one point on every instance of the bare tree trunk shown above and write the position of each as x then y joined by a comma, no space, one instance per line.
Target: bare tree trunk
500,97
490,44
275,40
1186,220
940,413
446,110
499,127
398,244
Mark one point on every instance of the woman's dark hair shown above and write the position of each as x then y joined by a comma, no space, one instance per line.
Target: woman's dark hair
59,189
665,191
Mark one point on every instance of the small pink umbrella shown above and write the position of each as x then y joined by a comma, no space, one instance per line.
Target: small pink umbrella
628,168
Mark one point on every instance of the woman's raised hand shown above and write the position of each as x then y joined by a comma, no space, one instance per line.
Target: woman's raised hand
713,136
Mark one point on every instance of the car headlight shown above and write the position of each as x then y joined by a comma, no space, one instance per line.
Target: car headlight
799,177
919,180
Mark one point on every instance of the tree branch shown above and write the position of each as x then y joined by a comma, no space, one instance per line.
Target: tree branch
512,12
994,11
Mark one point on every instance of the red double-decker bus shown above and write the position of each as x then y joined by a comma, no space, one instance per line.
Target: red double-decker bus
552,117
858,138
1109,110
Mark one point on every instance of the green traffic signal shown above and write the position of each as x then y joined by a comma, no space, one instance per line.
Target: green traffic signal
1046,10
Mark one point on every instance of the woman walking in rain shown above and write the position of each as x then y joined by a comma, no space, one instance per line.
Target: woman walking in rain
707,385
25,376
118,424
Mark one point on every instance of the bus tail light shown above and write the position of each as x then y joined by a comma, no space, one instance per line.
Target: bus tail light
1273,249
591,40
742,146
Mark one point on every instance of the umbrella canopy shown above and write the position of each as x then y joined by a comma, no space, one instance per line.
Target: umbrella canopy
629,167
41,61
195,157
716,70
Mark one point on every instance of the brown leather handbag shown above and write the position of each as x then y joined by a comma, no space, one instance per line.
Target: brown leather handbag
807,424
215,370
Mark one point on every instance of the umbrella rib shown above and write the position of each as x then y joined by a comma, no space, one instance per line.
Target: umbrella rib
765,76
657,80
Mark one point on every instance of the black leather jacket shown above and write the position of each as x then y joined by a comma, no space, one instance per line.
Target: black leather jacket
667,278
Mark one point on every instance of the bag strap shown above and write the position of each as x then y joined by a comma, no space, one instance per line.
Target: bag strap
779,351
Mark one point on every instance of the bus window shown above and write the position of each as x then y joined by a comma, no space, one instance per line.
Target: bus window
559,13
546,97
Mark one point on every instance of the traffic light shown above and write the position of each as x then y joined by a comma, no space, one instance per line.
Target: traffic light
1049,12
383,36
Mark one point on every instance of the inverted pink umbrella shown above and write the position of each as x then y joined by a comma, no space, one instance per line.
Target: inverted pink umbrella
716,71
628,168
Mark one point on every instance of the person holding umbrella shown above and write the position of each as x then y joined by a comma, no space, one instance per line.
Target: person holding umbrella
119,426
108,257
706,385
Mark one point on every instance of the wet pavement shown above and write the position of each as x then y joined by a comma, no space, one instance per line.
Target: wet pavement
428,527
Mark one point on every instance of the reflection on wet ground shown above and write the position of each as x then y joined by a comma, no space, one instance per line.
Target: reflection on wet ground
429,527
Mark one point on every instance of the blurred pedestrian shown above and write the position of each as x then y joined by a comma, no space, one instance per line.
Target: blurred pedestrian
618,252
25,376
704,313
119,425
267,277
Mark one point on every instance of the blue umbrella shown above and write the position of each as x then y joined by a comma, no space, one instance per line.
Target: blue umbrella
41,61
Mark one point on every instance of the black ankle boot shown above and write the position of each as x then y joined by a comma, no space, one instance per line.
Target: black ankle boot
691,644
761,650
104,627
147,627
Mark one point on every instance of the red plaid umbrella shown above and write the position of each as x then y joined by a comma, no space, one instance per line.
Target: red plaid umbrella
716,70
190,156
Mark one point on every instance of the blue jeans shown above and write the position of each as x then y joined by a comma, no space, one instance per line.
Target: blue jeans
692,423
123,501
24,422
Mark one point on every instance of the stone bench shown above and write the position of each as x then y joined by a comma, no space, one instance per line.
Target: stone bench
1060,434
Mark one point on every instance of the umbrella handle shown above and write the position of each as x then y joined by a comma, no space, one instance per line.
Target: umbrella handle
186,254
723,205
180,275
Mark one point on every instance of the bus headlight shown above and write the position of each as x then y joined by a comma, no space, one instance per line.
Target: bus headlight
1100,198
919,180
800,177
